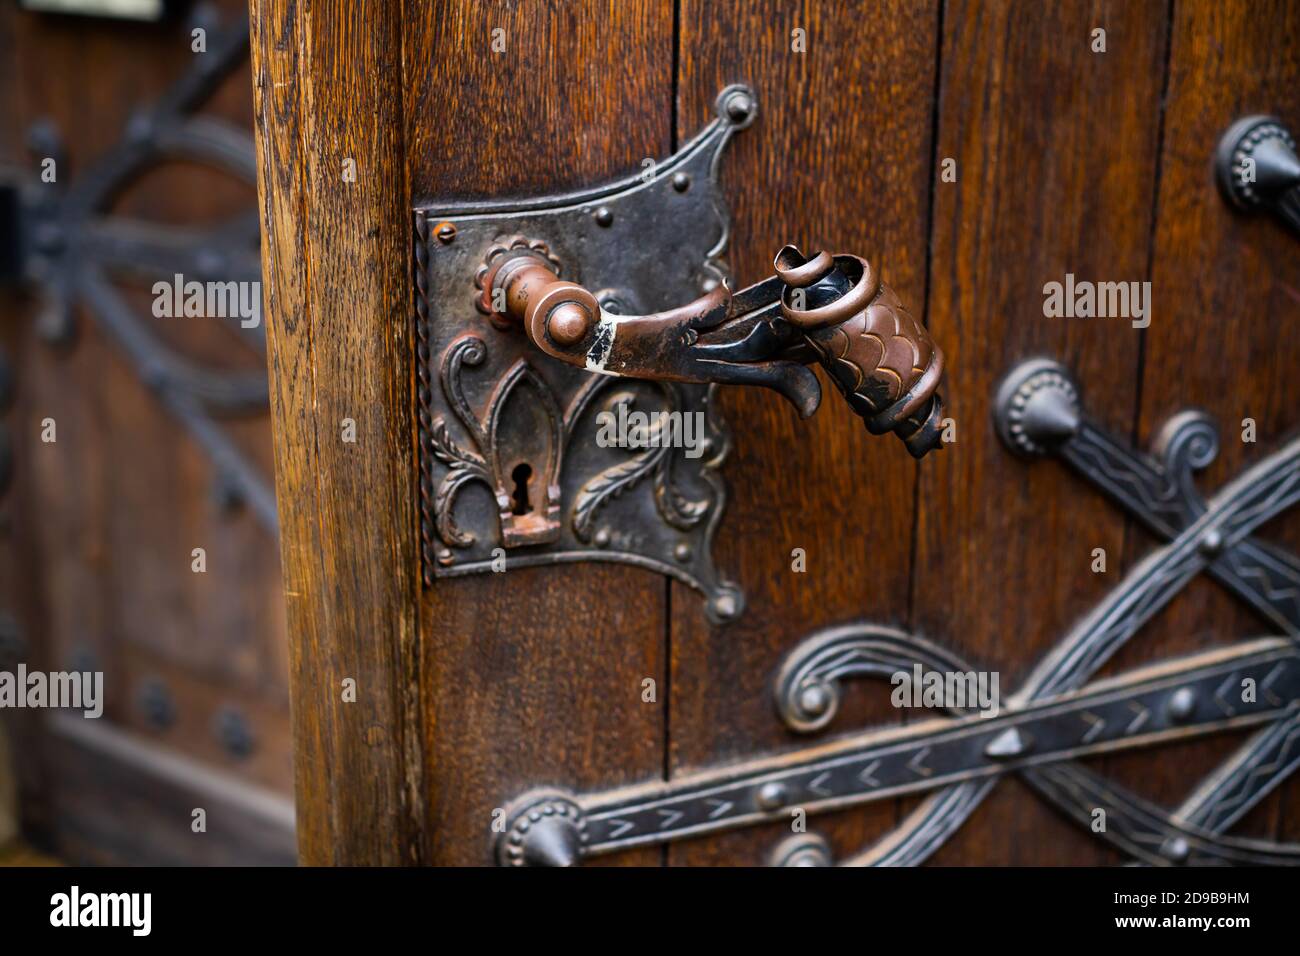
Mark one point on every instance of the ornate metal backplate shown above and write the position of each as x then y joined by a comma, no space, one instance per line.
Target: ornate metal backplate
511,471
1058,714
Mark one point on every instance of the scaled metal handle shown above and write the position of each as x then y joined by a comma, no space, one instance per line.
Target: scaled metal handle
827,309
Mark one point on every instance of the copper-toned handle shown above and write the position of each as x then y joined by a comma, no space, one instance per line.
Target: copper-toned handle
882,360
826,309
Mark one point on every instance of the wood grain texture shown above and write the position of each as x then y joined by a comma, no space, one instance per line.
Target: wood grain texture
1224,329
327,88
533,677
837,159
1056,165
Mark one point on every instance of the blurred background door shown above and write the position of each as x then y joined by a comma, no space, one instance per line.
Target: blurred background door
141,542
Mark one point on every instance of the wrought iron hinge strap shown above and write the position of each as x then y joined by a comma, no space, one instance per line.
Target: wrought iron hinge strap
1127,712
1040,412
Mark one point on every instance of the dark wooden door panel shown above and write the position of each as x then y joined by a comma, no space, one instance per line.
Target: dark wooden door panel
1069,160
1055,150
1223,336
839,159
534,676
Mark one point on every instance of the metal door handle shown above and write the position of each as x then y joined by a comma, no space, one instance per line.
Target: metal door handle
519,303
832,310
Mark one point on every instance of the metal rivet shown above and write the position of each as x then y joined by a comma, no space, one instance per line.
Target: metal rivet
603,216
140,127
602,538
725,606
83,659
211,260
681,182
157,705
48,237
771,795
815,699
234,733
1176,849
445,232
613,304
1181,704
1211,542
801,850
682,552
739,106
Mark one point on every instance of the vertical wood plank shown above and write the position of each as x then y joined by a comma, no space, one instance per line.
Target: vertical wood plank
1056,149
328,88
838,158
1224,330
533,677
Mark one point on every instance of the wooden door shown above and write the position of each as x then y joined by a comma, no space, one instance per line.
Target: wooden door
120,482
976,153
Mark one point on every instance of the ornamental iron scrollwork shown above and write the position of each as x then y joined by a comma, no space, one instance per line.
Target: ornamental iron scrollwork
562,293
1059,714
534,485
72,248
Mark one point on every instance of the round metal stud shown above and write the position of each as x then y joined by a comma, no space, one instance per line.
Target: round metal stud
544,829
1182,704
1176,849
815,699
157,704
1037,407
234,732
12,646
1270,148
771,795
1211,542
738,105
603,217
725,604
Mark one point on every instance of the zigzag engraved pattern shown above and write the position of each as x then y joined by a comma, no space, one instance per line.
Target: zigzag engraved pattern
1279,584
1125,477
1270,758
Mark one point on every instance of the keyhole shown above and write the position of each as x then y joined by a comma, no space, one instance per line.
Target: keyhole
520,503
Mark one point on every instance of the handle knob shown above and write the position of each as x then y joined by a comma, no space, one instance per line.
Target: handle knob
831,310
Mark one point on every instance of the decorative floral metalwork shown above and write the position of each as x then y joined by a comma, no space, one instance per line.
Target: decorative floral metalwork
640,242
555,504
1056,716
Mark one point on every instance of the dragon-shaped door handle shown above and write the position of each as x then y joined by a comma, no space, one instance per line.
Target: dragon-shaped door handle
563,419
833,310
